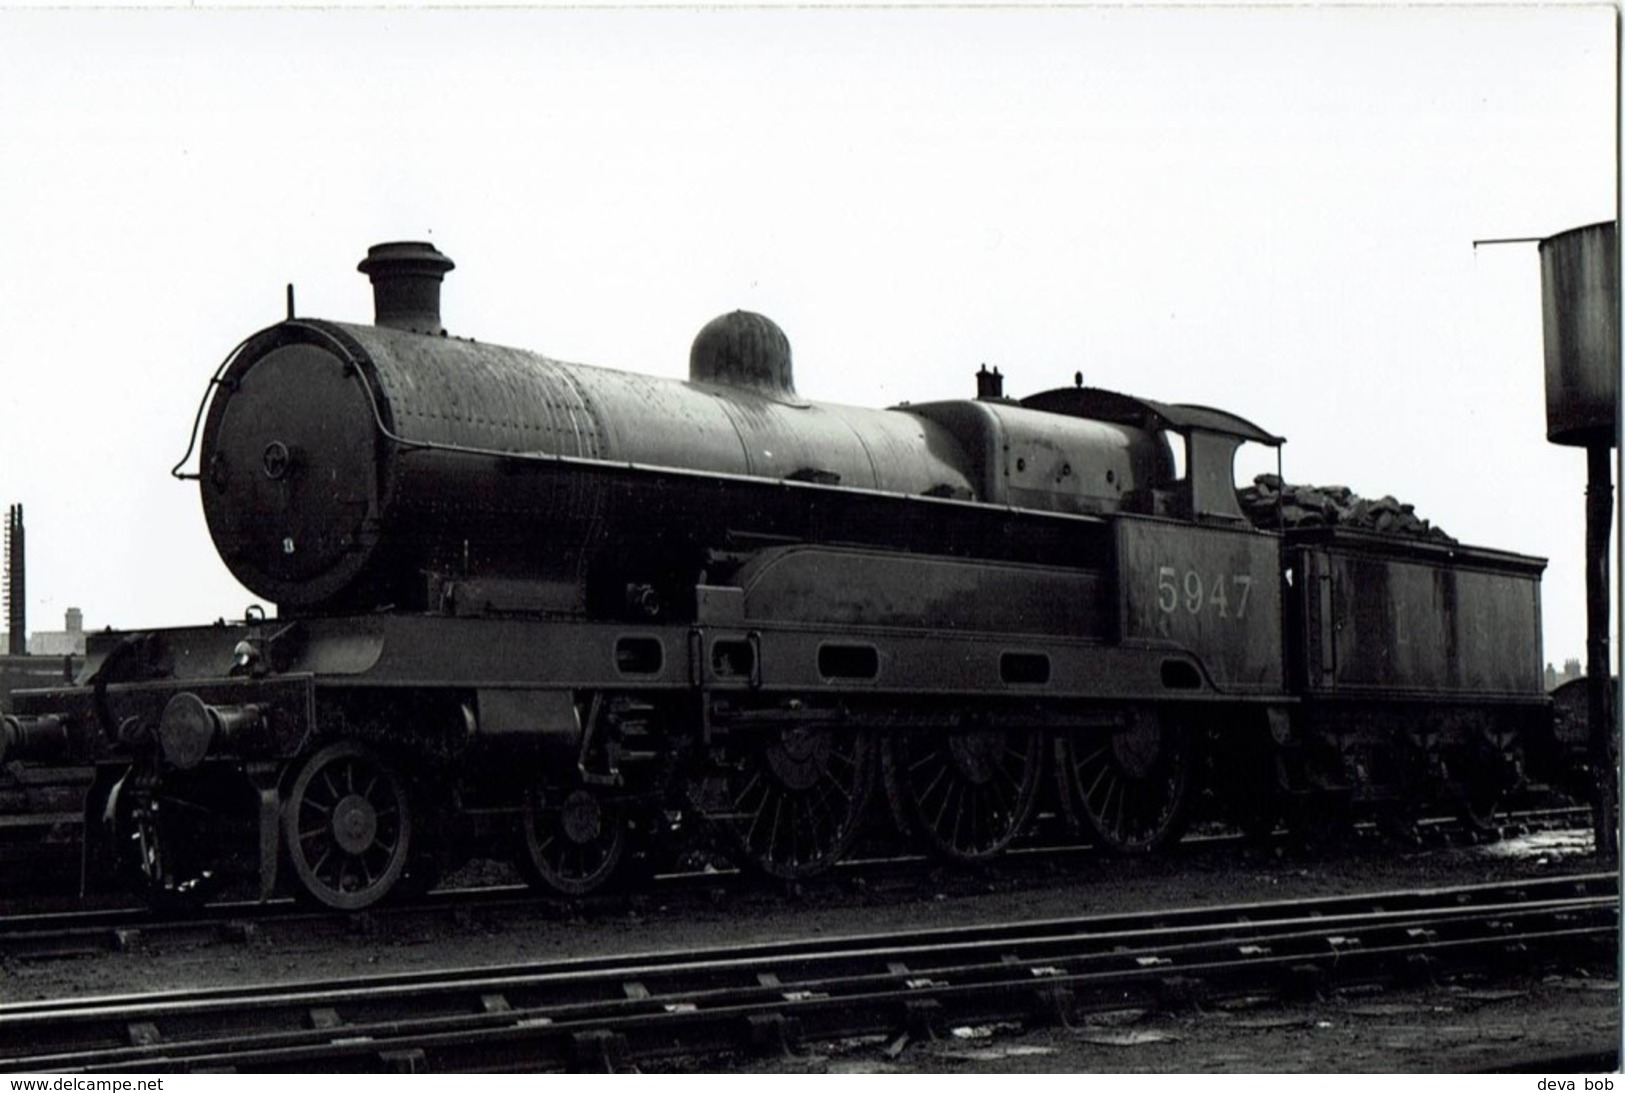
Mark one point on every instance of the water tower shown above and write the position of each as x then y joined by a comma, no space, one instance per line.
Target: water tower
1579,275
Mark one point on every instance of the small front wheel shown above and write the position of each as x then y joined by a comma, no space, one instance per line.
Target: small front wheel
347,827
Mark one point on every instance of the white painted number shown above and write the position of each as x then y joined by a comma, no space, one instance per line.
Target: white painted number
1167,590
1227,592
1193,591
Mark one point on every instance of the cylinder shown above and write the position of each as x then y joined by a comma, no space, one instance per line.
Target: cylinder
1579,272
190,728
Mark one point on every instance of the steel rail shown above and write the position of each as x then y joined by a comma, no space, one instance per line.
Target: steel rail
79,932
606,1040
125,929
706,1020
699,998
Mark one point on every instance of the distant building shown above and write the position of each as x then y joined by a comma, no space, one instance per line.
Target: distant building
70,640
1571,671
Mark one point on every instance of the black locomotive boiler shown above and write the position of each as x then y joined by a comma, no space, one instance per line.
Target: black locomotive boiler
558,609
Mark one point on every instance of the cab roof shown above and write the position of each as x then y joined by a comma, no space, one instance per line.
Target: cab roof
1121,409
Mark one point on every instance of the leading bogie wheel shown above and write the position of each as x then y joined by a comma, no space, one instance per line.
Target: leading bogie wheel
347,827
1133,786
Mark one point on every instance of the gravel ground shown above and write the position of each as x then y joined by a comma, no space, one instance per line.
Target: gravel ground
1456,1027
1440,1030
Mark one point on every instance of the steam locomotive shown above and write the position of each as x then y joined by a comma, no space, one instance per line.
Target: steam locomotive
558,609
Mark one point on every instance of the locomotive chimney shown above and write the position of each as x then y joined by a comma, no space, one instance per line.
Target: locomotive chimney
406,285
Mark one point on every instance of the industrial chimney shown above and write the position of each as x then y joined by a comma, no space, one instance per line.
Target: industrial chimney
16,585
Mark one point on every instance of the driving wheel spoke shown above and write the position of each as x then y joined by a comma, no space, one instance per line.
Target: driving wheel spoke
965,794
799,795
1133,789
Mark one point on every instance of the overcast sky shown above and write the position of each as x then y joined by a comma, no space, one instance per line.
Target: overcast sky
1269,211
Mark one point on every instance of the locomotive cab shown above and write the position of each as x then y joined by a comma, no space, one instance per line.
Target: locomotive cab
1206,490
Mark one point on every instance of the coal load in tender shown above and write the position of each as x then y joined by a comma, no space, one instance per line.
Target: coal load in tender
1271,503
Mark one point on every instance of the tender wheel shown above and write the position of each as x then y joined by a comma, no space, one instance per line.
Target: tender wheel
1134,787
1249,778
1477,808
796,797
1486,776
965,794
347,827
573,841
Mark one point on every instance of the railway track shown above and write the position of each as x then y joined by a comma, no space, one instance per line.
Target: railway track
608,1013
76,932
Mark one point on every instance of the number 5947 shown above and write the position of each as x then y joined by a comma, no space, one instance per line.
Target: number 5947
1225,594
